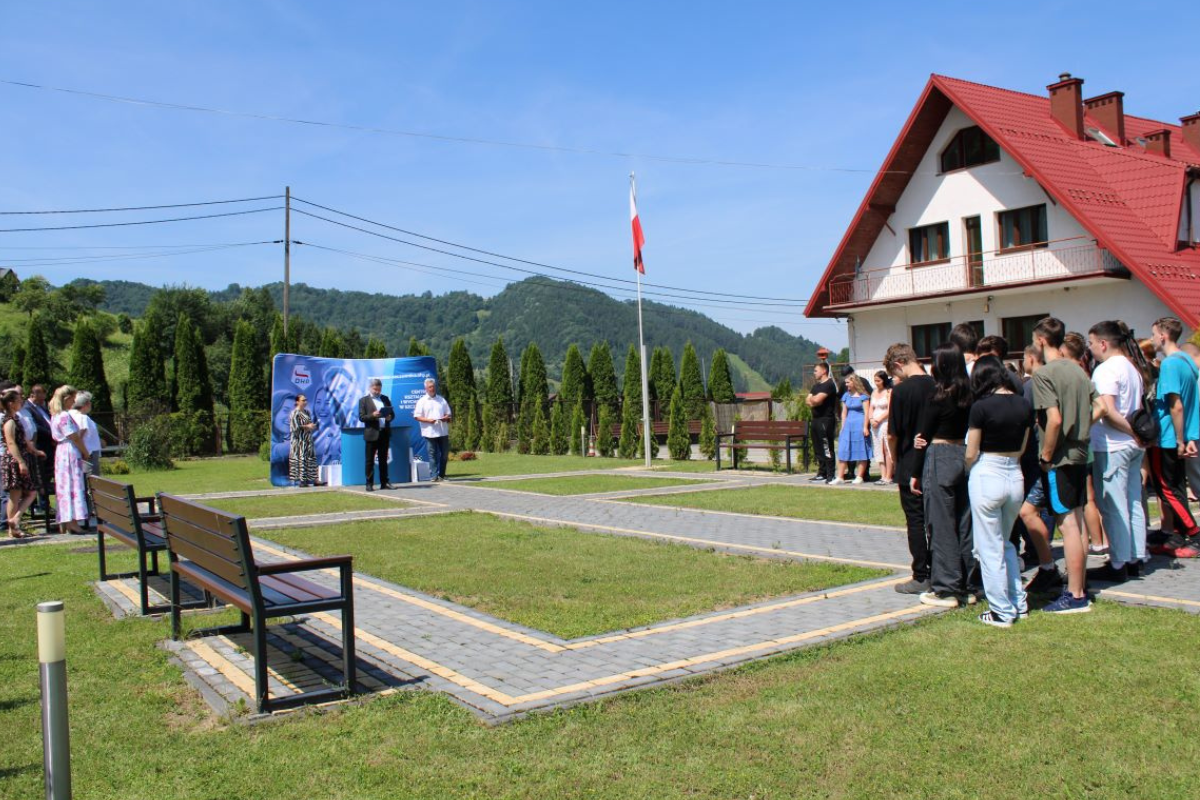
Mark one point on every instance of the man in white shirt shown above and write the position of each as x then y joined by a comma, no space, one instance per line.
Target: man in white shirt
433,412
1117,465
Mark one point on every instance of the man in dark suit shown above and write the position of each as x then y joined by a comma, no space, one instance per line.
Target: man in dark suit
376,413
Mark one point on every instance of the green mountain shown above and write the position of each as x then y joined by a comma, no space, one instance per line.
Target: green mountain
551,313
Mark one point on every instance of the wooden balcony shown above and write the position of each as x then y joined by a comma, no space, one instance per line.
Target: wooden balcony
1053,262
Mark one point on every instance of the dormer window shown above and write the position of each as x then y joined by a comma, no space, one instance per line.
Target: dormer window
1100,136
970,147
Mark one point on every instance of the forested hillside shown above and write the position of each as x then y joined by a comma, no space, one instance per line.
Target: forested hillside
552,314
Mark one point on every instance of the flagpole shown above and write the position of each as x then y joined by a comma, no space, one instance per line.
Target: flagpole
646,432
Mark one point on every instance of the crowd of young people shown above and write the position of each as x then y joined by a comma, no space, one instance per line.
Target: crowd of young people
987,460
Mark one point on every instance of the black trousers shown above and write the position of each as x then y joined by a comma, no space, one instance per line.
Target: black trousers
379,449
948,516
913,506
825,445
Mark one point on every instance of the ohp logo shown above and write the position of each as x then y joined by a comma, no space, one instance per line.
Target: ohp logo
301,376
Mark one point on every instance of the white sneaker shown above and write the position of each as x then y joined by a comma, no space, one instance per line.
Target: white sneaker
937,600
858,480
835,481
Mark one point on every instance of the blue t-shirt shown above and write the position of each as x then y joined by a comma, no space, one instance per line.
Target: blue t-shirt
1178,375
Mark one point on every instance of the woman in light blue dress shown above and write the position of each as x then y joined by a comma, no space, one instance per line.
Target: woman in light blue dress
854,442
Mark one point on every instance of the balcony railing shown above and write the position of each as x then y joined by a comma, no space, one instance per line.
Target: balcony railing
1054,261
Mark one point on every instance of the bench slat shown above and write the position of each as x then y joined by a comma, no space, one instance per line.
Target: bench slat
228,570
296,589
204,579
113,509
206,541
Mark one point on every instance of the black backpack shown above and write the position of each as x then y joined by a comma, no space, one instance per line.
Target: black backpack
1144,421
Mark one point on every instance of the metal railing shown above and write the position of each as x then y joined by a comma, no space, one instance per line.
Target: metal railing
1049,262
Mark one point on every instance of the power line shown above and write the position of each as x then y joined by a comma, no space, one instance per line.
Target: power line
139,222
445,137
142,208
539,264
125,246
67,260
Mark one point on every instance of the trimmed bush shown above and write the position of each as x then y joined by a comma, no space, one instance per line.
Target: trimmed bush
150,445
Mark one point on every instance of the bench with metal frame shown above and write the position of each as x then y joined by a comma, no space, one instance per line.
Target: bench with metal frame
766,435
211,549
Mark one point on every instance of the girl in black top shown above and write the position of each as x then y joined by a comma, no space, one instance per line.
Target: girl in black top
944,479
998,432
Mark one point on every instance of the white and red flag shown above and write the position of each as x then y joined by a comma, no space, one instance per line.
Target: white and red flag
639,238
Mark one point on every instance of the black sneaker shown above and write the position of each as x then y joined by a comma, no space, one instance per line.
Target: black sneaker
1134,568
1168,546
1046,581
995,620
1157,536
1108,573
913,586
817,477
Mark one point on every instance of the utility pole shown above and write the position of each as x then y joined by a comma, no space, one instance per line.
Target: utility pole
287,254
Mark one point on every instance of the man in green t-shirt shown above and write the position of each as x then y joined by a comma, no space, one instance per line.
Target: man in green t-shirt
1063,396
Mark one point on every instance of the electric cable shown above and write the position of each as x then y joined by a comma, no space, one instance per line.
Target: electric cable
140,222
141,208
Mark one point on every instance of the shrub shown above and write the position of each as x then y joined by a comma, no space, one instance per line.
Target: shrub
679,443
114,466
150,445
264,451
708,435
604,437
192,434
467,455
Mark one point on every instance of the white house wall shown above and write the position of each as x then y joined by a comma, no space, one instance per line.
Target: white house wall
981,191
1078,306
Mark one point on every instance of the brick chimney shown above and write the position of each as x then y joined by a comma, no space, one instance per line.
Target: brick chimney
1159,142
1191,130
1066,103
1109,112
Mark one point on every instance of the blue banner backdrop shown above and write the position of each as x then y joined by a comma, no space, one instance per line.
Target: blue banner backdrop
333,387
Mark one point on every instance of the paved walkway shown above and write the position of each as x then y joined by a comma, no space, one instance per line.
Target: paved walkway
501,670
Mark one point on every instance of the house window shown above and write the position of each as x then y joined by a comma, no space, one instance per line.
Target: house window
1018,331
926,338
1023,227
929,243
970,147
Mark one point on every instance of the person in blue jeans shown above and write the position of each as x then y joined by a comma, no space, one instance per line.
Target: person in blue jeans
998,429
433,412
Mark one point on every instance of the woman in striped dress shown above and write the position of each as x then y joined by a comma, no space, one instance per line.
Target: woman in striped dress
302,460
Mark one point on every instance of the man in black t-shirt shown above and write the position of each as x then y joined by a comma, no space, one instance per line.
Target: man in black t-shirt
822,399
909,399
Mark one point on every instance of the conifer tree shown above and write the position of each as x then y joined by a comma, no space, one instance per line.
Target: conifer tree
603,377
662,377
147,387
708,434
604,437
187,371
631,407
531,395
691,383
782,392
487,429
331,344
460,385
278,342
87,367
352,344
559,420
575,382
499,387
247,401
679,443
18,361
35,367
310,341
576,435
417,348
474,424
720,381
539,443
375,349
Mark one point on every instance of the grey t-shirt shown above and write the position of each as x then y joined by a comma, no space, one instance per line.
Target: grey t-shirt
1064,385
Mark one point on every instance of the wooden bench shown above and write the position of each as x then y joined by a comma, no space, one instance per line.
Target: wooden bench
767,435
212,550
660,430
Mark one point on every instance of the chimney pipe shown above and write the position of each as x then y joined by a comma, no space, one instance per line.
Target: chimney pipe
1109,112
1159,142
1066,103
1191,130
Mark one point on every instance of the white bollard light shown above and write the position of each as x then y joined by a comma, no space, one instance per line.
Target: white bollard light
52,658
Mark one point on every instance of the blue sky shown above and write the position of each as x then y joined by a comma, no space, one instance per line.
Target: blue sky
825,89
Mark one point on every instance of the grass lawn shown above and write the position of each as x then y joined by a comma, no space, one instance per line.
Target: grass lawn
291,505
486,465
910,713
587,484
229,474
560,580
868,506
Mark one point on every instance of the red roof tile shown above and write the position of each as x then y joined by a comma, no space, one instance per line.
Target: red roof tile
1128,199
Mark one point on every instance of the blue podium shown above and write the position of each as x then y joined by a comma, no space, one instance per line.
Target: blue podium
354,457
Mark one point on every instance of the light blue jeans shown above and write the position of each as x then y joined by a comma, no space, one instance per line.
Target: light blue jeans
997,488
1117,477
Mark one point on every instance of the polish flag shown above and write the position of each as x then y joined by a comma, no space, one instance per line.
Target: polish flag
639,238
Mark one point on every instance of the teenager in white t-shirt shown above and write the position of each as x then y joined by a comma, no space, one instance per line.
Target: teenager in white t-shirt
1117,465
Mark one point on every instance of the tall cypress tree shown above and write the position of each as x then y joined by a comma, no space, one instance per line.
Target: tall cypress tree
662,377
720,380
147,387
691,383
559,420
575,382
247,402
499,386
460,384
187,371
36,366
532,395
87,367
375,349
417,348
631,407
604,377
678,440
18,361
577,436
331,344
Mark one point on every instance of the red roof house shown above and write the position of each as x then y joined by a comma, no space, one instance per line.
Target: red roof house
994,206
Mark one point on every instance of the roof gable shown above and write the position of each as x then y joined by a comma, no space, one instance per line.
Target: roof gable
1127,199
